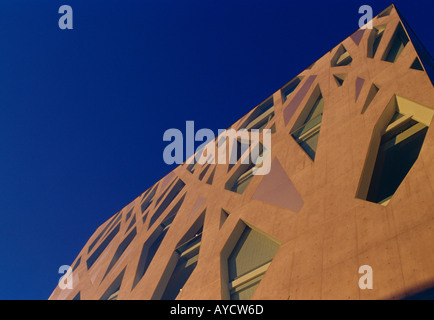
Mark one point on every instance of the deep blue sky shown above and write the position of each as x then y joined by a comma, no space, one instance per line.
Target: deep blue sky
83,111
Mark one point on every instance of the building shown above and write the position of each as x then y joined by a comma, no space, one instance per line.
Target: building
350,194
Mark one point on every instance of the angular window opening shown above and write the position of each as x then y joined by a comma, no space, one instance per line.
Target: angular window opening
242,177
341,58
177,188
261,116
204,171
371,95
396,45
112,291
386,11
102,247
149,199
249,261
374,40
417,65
340,78
112,222
132,223
165,192
150,247
186,254
237,150
223,217
77,296
192,166
211,177
114,296
145,216
308,125
399,150
290,87
128,215
243,180
172,212
76,264
121,249
394,149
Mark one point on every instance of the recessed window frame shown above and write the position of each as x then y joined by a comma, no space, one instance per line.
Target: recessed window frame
374,40
392,53
231,287
245,172
290,87
394,121
261,116
307,120
186,248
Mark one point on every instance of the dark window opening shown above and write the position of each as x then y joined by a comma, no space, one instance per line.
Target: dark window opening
398,152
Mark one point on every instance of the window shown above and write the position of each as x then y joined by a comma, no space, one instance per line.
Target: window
161,197
386,11
121,249
187,254
76,264
374,40
243,180
290,87
249,261
308,125
371,95
211,177
341,57
96,254
396,45
176,189
149,199
340,78
223,217
399,149
261,116
132,223
394,149
112,222
112,291
192,166
237,147
244,174
204,171
182,263
150,247
417,65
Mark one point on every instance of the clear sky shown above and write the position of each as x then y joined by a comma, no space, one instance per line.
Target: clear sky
83,111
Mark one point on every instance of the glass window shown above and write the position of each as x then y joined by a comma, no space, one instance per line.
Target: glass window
112,291
308,126
399,149
188,254
150,247
396,144
261,116
244,174
374,40
290,87
397,44
248,263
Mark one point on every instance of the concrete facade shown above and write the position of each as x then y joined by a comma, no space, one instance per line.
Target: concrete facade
314,209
